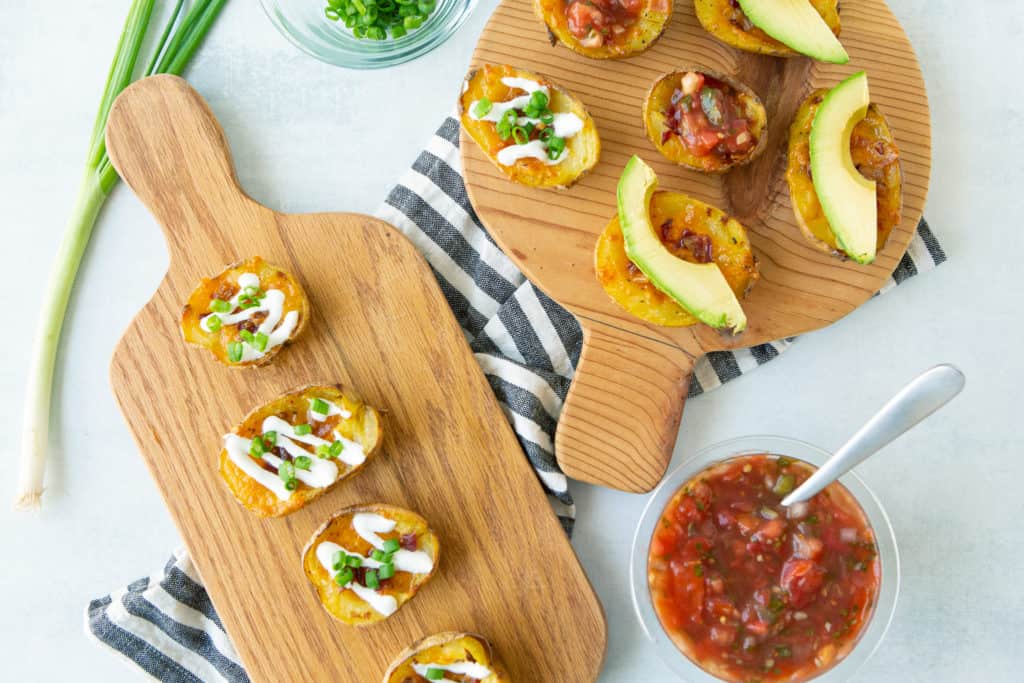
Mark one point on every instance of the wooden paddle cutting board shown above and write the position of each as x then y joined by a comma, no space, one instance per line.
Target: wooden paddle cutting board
621,418
380,325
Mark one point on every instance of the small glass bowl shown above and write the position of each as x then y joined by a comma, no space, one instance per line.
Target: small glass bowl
873,633
303,23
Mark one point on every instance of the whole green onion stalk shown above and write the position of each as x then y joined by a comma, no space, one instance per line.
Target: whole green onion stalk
178,41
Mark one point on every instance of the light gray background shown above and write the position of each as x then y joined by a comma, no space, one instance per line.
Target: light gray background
310,137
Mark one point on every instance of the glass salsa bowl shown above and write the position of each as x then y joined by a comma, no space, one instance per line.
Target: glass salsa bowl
304,24
872,632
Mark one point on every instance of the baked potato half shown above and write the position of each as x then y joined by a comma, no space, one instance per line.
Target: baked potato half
726,21
693,231
604,29
535,132
874,153
367,561
245,314
705,121
292,450
460,656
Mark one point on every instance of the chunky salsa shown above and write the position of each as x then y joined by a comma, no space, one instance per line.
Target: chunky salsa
754,592
597,22
704,113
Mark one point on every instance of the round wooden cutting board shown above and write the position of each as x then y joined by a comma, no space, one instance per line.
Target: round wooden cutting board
620,421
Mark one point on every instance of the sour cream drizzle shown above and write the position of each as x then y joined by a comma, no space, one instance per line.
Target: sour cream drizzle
565,124
322,471
471,669
368,525
272,304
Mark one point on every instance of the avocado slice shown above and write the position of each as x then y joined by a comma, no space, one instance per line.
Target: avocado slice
847,198
700,288
798,26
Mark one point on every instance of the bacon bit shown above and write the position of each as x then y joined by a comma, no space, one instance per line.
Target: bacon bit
666,229
225,291
409,541
697,244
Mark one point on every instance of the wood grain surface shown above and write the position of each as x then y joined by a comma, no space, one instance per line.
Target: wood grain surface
551,235
381,325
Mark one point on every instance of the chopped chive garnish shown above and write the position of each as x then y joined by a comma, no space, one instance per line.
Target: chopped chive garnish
252,292
303,429
256,448
323,451
286,471
354,561
260,341
482,108
320,406
213,322
335,449
391,545
291,484
235,351
220,306
303,462
343,577
270,439
378,555
434,674
371,579
386,570
538,99
547,118
520,136
338,559
246,335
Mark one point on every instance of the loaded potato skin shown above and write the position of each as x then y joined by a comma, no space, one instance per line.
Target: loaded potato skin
344,548
691,230
350,422
461,649
604,29
874,153
246,313
705,121
523,151
726,21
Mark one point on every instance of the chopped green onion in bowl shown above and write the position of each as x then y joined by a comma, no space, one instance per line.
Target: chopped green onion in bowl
376,19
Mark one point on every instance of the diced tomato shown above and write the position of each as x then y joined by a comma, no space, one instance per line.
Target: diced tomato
584,16
747,523
664,541
770,530
801,579
807,547
688,590
722,635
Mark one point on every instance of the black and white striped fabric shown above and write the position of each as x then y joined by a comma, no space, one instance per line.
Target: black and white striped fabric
527,346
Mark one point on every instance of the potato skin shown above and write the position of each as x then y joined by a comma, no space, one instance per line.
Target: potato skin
344,605
445,648
658,100
651,24
198,306
721,19
870,134
730,249
363,427
583,149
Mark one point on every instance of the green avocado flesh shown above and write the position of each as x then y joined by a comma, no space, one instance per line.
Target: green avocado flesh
798,26
847,198
700,288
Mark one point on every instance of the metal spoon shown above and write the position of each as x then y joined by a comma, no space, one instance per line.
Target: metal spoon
923,396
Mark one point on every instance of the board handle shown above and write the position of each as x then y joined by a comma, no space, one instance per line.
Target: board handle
190,187
621,418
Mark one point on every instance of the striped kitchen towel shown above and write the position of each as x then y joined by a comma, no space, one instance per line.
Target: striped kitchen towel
527,346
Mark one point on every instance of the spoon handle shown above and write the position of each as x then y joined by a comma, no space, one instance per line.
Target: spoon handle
924,395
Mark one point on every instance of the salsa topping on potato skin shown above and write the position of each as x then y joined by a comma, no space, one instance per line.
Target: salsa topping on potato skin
703,113
595,22
704,120
751,590
604,29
